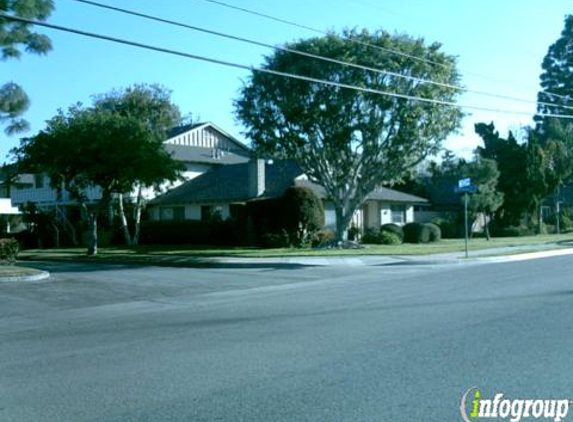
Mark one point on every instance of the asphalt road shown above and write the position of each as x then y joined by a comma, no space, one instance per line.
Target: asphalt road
269,343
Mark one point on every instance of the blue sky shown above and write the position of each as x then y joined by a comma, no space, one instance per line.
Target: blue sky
500,46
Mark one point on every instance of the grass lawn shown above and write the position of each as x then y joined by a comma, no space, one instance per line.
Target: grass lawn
16,271
193,254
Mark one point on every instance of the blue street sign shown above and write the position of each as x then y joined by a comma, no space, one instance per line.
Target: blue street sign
464,183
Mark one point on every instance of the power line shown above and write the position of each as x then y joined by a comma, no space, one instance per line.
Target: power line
319,31
268,71
387,50
313,56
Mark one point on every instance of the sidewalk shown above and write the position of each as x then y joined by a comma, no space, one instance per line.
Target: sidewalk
503,254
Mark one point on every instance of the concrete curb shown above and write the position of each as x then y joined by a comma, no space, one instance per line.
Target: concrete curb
526,256
42,275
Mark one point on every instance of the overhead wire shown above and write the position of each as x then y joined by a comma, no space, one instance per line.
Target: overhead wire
314,56
264,70
387,50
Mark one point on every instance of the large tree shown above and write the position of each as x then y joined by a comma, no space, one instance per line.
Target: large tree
555,134
87,148
15,36
556,94
352,141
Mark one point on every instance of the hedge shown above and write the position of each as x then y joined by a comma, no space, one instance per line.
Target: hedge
421,233
189,232
381,237
393,228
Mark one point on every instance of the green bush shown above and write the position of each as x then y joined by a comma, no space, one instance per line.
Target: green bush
435,232
9,249
302,214
511,231
416,233
323,237
379,237
450,229
421,233
189,232
275,240
354,233
393,228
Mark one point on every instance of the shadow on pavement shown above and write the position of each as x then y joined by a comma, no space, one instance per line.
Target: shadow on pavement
83,267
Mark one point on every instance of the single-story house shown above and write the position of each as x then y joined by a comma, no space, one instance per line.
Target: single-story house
223,190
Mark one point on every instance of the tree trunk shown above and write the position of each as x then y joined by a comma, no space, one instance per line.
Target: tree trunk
92,242
539,209
123,219
487,219
557,210
138,207
343,219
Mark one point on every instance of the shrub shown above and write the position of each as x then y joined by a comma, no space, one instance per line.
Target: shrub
275,240
9,249
302,214
450,229
435,232
354,233
511,231
189,232
393,228
376,237
416,233
323,237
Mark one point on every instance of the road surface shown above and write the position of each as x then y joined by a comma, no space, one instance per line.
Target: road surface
292,343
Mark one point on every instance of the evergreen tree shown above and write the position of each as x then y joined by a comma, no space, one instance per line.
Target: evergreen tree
13,37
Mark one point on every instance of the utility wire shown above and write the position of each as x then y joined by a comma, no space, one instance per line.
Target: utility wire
267,71
387,50
314,56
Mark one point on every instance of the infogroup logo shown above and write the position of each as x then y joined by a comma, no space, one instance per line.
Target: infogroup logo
474,408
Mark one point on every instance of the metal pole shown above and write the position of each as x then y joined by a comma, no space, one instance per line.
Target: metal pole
466,221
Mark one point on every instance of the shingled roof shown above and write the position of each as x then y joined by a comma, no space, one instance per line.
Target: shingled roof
227,184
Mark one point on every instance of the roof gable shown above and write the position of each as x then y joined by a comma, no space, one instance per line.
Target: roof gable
204,135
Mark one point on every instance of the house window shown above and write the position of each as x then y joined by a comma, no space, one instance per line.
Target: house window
166,214
398,214
39,181
211,212
179,213
172,213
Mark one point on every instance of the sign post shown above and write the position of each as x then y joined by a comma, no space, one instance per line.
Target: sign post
465,187
466,221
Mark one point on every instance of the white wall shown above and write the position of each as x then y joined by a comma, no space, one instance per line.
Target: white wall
385,214
373,215
409,213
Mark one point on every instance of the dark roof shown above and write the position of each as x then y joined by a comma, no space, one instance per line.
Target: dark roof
230,184
206,155
380,194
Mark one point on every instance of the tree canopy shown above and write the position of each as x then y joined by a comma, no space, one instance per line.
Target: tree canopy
351,141
557,75
15,36
98,147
